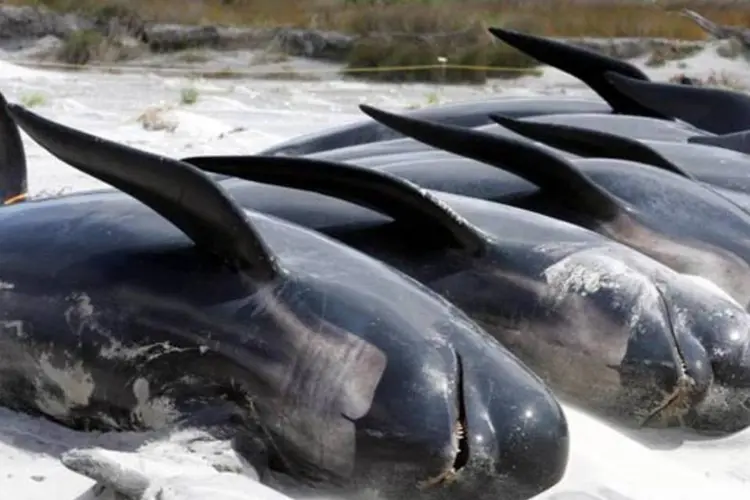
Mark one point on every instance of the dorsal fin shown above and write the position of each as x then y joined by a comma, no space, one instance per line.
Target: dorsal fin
737,141
589,143
550,171
584,64
385,193
711,109
13,172
179,192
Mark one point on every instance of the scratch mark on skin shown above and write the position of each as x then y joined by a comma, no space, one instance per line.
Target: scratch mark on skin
586,273
118,350
14,327
82,314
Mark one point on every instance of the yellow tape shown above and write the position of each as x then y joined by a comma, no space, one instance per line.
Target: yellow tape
238,72
441,66
15,199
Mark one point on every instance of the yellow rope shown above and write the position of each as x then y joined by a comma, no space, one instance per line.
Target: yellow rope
272,71
15,199
440,66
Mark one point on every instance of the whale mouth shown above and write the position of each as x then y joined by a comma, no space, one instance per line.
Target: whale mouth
459,437
679,401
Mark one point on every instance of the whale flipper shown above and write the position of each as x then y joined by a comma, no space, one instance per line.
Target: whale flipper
589,143
13,171
134,474
549,170
713,110
125,473
178,191
736,141
584,64
378,190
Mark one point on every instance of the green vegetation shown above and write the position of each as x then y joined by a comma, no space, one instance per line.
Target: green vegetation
608,18
189,95
80,46
33,99
397,33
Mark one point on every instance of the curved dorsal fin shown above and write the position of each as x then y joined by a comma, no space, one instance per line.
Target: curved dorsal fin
584,64
550,171
13,172
737,141
177,191
711,109
590,143
385,193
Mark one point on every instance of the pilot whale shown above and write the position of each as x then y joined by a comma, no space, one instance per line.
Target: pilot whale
715,110
141,306
587,65
728,172
605,326
621,110
679,222
630,92
464,114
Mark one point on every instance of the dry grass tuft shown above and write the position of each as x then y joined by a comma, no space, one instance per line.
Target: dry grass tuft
666,53
88,45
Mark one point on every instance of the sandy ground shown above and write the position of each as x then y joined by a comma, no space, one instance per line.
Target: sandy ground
245,116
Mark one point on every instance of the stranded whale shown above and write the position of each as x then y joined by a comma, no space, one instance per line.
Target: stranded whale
575,306
132,309
677,221
463,114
